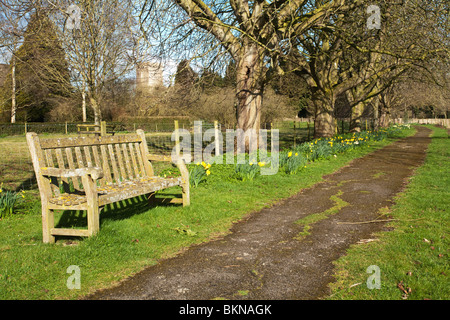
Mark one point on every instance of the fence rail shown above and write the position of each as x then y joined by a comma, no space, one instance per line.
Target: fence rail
441,122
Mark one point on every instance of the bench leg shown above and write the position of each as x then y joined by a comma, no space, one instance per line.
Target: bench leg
93,217
185,193
93,210
48,223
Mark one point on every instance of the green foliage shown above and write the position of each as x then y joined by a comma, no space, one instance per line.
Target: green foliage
8,201
246,171
198,173
291,162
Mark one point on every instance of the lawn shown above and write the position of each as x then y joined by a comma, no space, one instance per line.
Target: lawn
413,258
134,234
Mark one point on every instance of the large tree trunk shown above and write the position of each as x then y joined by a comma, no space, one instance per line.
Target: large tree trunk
355,120
324,124
376,113
250,73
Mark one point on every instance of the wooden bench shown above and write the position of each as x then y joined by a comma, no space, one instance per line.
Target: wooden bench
87,173
97,129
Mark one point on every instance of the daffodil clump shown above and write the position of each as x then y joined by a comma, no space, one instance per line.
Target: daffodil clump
248,171
292,162
8,200
198,173
325,148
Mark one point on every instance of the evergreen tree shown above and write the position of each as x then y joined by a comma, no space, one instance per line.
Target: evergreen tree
42,74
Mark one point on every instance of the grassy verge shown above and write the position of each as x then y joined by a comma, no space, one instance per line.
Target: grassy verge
413,259
134,235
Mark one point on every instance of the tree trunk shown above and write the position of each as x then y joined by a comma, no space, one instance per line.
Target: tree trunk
13,93
324,124
376,113
384,116
355,121
83,102
250,73
96,109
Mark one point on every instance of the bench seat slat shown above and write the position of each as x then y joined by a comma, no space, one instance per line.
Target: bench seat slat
115,192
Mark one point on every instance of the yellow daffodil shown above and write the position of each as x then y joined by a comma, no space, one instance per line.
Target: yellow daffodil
296,154
290,154
261,164
208,172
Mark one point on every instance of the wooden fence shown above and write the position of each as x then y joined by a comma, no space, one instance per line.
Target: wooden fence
441,122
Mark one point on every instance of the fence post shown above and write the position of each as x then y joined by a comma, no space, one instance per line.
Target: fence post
177,138
103,128
66,127
25,127
216,137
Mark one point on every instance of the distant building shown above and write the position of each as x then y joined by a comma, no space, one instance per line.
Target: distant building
4,69
149,75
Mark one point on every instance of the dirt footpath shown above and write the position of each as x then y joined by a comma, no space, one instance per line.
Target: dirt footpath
269,255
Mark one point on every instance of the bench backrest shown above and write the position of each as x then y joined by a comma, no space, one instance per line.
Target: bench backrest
122,158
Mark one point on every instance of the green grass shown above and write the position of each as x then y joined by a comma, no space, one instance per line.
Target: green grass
307,221
134,235
414,257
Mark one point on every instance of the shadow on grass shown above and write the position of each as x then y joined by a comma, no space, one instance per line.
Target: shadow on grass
116,211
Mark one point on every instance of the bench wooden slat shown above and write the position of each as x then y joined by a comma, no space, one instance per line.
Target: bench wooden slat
98,163
112,156
69,156
133,160
87,154
105,162
144,151
121,163
61,165
54,181
127,161
88,141
79,157
142,170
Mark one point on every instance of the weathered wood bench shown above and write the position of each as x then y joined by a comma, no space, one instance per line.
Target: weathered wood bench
97,129
87,173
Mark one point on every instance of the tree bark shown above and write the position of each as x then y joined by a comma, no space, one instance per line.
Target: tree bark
96,108
355,121
13,93
324,124
250,74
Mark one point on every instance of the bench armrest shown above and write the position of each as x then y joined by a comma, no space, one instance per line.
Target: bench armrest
95,172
